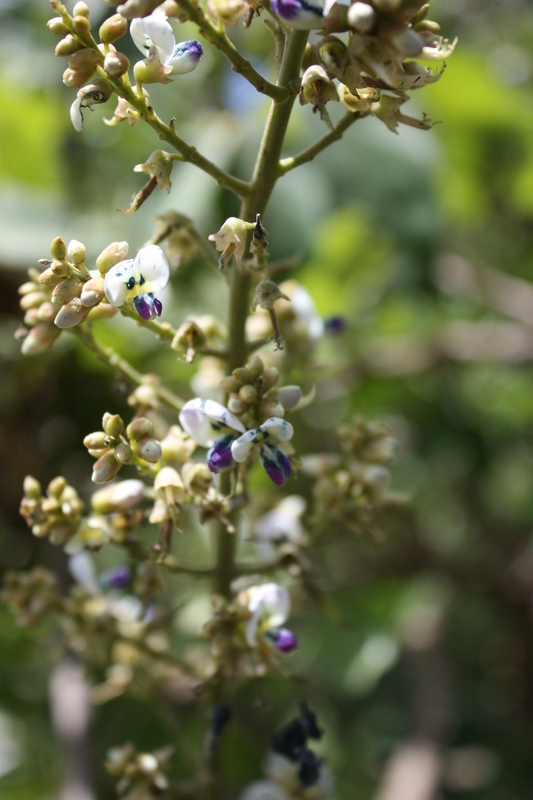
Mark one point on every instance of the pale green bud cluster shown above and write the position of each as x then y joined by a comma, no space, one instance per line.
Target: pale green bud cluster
55,515
115,446
31,595
252,391
139,774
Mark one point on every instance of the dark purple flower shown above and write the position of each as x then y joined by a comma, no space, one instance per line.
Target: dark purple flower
277,464
116,577
285,640
219,455
335,325
147,306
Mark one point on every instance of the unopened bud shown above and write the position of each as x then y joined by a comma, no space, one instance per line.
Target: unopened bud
81,26
67,46
270,377
236,406
289,397
120,497
32,300
57,26
66,290
58,248
84,59
105,469
113,425
112,255
92,292
71,314
32,487
242,375
76,252
46,312
57,486
361,17
39,339
95,440
116,64
271,407
229,384
149,449
248,394
267,292
256,367
137,8
123,453
139,428
80,10
113,29
59,268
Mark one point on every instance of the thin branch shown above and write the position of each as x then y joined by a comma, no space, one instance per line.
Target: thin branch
286,164
219,39
114,360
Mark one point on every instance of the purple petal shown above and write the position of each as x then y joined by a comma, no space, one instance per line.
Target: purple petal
301,13
144,306
158,306
276,463
335,325
219,456
116,577
285,640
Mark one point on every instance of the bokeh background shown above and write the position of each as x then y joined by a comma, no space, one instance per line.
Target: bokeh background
423,242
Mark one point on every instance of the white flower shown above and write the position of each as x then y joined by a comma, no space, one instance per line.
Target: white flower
231,240
154,37
283,524
206,420
139,278
275,461
88,96
269,606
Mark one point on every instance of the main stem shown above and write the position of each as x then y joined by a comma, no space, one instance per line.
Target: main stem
266,173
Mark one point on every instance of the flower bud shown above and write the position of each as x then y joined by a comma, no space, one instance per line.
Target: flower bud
248,394
120,497
39,339
32,300
137,8
84,60
68,46
81,9
32,487
229,384
228,12
81,26
46,312
76,252
46,278
71,314
149,449
256,368
113,425
123,453
60,268
57,26
177,446
112,255
102,311
105,469
270,378
270,407
196,476
113,29
236,406
58,248
139,428
66,290
95,440
57,486
116,64
92,292
361,17
267,292
289,397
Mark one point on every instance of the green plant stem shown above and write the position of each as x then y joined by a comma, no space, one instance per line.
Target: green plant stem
266,173
114,360
287,164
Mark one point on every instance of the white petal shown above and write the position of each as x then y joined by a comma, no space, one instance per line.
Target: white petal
274,602
154,30
75,114
205,420
264,790
125,608
115,283
150,262
283,522
278,428
241,447
81,567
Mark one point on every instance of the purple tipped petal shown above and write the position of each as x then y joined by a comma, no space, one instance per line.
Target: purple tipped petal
285,640
219,456
116,577
144,306
186,57
277,464
158,306
298,13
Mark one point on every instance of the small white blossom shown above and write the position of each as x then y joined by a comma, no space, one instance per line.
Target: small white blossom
154,37
139,278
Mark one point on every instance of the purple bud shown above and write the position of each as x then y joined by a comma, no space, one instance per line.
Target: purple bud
116,577
299,14
277,464
335,325
144,306
186,57
284,640
219,456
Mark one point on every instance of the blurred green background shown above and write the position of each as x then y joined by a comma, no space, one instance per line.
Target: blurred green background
423,241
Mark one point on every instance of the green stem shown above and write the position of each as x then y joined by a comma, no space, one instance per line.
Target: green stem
287,164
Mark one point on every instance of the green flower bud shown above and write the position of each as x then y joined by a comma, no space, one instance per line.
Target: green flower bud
92,292
119,497
59,268
248,394
39,339
47,278
116,64
229,384
270,377
242,375
139,428
72,314
66,290
32,300
80,10
76,252
113,29
105,469
84,59
32,487
113,425
112,255
58,248
123,453
57,486
236,406
81,26
270,407
57,26
46,312
95,440
256,367
67,47
149,449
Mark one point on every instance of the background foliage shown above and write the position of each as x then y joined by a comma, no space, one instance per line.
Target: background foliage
423,242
